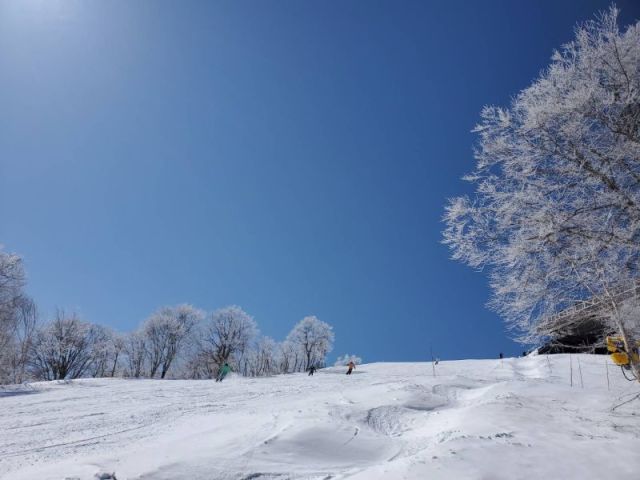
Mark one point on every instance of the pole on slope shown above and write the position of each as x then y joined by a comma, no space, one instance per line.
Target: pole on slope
571,369
580,370
549,364
433,361
606,366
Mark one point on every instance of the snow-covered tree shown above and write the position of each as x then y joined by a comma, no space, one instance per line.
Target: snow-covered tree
344,360
117,348
290,357
165,332
135,350
101,352
556,214
12,280
229,334
200,365
107,349
64,348
25,318
262,359
314,338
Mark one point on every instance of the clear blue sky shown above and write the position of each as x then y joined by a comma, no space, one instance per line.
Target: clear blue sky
291,157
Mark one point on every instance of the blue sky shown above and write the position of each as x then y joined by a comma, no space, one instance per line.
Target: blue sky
290,157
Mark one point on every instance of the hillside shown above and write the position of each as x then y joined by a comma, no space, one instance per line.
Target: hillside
477,419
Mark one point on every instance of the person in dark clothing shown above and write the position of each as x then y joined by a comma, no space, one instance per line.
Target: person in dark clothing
351,366
312,370
223,372
501,356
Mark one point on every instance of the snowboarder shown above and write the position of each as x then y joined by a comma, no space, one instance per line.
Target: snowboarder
351,366
223,372
312,370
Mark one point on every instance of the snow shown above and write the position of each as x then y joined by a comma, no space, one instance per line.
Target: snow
518,418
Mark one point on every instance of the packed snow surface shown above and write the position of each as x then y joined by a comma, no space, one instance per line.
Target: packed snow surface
517,418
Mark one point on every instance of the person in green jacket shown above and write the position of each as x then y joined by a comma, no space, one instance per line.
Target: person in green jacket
223,372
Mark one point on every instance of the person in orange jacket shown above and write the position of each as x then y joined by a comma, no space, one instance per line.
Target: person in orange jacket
351,366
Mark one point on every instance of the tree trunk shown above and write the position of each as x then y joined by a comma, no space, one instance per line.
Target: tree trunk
115,364
308,364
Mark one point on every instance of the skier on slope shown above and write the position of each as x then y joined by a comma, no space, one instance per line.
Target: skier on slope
223,372
312,370
351,366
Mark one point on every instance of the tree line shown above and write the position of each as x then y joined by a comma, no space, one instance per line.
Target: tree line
179,341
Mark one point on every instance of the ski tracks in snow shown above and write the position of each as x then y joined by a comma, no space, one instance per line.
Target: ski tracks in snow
389,421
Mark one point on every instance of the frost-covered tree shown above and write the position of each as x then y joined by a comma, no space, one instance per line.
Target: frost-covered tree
64,348
165,332
344,360
25,315
262,359
117,348
312,337
101,352
12,280
290,357
135,350
16,338
200,365
18,316
229,334
107,350
198,360
556,214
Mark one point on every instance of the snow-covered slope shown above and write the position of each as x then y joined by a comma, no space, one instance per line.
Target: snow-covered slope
477,419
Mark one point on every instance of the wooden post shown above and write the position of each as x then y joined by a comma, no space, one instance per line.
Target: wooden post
571,369
580,370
